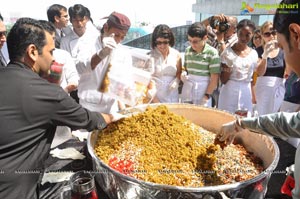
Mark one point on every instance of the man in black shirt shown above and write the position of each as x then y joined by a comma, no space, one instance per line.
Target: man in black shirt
31,108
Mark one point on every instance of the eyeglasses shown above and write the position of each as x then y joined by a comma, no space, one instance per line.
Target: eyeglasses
162,42
195,41
268,34
3,33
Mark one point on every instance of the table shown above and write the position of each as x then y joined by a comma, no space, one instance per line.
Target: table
54,190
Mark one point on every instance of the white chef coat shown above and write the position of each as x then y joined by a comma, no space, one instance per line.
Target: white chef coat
82,50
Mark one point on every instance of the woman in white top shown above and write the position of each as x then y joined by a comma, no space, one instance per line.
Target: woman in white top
238,63
167,64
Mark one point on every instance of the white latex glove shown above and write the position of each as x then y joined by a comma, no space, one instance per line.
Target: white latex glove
204,102
109,44
67,153
117,116
151,93
174,84
184,76
55,177
271,45
229,131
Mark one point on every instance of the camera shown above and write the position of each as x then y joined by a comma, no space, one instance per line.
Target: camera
222,26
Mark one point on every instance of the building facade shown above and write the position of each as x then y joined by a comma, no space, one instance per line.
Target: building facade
257,11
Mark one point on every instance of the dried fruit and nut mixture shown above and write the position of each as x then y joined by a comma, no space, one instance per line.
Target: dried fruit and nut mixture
162,147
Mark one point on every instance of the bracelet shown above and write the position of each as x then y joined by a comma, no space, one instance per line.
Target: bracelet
207,95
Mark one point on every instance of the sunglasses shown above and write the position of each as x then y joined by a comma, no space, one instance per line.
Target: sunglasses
257,37
268,34
162,42
3,33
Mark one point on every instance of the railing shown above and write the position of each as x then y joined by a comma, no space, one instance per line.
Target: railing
180,33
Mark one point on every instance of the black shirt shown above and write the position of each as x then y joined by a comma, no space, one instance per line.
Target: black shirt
30,110
275,66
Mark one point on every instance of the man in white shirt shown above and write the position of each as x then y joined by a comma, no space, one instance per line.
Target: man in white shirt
107,50
80,41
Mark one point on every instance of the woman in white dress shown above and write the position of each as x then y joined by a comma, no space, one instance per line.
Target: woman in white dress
238,63
167,65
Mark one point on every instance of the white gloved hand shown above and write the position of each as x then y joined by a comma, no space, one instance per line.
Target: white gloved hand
184,76
229,131
204,102
269,47
151,93
67,153
109,44
117,116
174,84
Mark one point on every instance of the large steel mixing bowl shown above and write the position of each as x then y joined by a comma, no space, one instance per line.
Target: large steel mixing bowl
118,185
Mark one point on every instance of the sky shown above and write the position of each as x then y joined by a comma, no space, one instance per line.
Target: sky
170,12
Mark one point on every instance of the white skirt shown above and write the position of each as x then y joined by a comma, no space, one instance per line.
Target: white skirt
235,95
269,94
163,93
